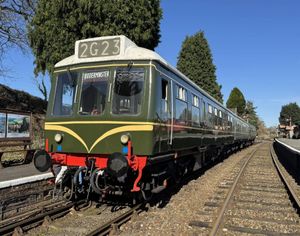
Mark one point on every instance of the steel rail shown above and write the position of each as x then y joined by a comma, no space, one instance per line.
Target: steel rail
284,179
32,212
17,201
106,228
38,219
12,202
219,220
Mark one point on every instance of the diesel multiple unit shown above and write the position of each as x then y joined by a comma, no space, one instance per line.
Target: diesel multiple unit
122,121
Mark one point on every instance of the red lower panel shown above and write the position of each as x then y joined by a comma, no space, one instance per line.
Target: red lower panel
78,160
140,164
136,163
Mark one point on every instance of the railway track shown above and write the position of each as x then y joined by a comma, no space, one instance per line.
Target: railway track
26,206
49,211
19,199
256,199
36,217
90,220
113,225
106,225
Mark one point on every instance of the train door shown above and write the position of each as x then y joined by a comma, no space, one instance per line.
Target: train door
167,108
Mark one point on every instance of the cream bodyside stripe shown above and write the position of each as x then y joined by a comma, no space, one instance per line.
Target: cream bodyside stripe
127,128
136,123
101,122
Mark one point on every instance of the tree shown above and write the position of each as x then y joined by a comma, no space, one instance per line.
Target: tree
196,62
250,114
58,24
236,100
262,131
273,132
289,111
13,17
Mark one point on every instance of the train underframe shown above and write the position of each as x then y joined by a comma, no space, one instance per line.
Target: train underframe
129,176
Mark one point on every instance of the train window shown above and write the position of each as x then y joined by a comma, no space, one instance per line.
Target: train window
93,92
216,111
65,93
229,122
181,111
195,101
128,90
195,116
164,95
181,93
220,114
210,109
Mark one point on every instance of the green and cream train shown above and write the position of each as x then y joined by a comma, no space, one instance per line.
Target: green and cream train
121,121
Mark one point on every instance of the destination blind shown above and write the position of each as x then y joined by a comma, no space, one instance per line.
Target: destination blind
99,48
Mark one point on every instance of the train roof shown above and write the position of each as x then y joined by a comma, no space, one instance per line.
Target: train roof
126,50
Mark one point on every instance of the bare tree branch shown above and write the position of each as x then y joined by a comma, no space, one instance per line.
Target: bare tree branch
14,16
40,83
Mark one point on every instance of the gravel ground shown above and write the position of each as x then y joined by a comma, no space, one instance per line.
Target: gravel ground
260,205
195,202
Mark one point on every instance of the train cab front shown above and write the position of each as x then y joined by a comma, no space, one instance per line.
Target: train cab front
117,174
96,135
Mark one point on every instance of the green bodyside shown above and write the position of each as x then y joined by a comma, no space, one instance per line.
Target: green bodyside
79,135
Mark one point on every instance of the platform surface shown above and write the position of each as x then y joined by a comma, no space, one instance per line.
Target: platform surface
292,143
15,175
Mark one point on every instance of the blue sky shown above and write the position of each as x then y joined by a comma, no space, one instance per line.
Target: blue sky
255,46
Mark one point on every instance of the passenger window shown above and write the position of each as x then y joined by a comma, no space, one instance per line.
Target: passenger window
195,116
195,111
181,111
195,101
128,91
210,110
181,93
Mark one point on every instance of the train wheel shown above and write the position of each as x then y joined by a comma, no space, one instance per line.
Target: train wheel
146,192
147,195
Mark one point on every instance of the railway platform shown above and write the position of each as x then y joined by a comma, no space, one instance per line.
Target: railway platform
292,144
288,151
21,174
